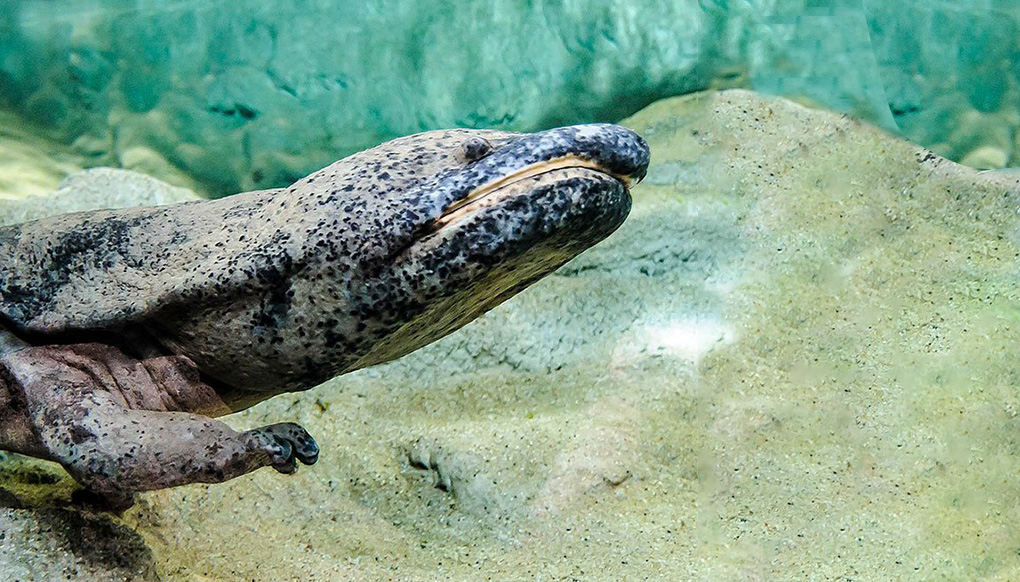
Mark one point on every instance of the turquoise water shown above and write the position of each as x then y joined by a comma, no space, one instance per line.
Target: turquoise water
251,94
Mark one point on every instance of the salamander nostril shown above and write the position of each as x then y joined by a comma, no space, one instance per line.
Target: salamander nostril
475,148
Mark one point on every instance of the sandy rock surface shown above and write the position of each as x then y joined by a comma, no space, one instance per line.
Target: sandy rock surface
796,360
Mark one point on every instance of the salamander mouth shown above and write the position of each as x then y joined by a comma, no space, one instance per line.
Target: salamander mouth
492,193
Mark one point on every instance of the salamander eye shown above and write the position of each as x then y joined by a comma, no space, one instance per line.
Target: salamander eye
475,148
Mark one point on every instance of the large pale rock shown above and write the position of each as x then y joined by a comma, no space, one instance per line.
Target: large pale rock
94,189
795,360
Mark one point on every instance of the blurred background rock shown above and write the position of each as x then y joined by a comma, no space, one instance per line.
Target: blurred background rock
252,94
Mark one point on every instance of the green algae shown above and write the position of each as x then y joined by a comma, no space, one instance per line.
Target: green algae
30,482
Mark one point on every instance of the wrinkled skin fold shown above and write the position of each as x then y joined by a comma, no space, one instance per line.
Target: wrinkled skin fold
122,333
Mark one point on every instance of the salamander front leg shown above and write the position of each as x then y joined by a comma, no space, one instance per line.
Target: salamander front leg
115,451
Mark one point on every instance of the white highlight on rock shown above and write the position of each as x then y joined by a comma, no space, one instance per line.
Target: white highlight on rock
689,338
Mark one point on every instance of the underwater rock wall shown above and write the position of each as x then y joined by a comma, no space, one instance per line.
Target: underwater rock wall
254,93
951,71
251,94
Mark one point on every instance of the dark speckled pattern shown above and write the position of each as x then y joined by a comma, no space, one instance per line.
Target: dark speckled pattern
122,332
279,290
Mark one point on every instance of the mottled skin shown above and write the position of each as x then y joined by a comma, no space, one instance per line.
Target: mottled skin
122,332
